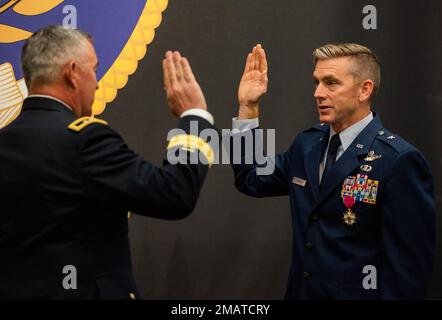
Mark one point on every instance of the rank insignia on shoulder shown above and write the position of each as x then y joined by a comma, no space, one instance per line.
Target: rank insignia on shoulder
83,122
192,143
372,156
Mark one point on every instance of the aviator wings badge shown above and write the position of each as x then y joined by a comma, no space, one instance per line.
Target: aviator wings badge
371,156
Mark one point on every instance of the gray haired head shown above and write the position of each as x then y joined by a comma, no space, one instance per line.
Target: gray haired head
48,50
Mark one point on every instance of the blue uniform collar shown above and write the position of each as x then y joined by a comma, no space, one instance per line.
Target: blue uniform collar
347,163
364,138
348,135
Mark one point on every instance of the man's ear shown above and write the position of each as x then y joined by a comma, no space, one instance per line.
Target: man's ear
365,90
71,74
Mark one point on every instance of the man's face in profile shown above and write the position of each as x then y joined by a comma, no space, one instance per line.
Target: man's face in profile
336,91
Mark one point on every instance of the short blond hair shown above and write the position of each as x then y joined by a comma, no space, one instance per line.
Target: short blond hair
366,62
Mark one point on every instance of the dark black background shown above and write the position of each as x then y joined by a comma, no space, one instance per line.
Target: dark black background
232,246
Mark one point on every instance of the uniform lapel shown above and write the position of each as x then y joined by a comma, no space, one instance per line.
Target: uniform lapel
312,160
349,160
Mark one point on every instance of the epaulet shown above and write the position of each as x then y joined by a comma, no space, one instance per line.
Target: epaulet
83,122
393,140
191,143
319,126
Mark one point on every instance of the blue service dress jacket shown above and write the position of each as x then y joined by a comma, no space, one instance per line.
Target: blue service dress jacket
379,242
66,186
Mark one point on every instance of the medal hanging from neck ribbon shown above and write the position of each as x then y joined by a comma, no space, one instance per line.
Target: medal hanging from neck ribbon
349,217
354,189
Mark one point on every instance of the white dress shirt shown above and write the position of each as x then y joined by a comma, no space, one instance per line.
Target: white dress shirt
199,113
347,136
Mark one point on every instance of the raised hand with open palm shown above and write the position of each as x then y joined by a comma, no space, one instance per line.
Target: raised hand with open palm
253,83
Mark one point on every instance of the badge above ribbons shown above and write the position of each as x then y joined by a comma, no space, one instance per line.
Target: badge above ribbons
122,30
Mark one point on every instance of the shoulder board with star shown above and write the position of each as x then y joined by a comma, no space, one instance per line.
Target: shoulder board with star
81,123
393,140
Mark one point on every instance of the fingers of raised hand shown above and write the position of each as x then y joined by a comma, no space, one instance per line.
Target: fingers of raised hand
166,77
257,56
253,60
248,62
169,69
256,60
177,64
262,59
187,70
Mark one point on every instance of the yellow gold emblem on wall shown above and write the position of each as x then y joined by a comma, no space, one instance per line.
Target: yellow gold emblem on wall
13,91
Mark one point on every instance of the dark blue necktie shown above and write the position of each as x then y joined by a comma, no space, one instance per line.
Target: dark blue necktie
334,144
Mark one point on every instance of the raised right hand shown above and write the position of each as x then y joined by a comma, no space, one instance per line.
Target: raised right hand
253,84
182,90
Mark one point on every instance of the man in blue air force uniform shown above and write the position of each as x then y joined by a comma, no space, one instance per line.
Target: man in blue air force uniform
68,180
362,198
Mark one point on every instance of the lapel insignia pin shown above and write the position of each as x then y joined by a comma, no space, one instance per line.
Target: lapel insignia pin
391,137
366,168
372,156
359,146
